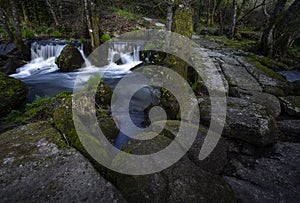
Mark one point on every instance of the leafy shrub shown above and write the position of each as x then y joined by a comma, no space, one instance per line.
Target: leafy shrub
82,40
125,14
28,34
56,34
3,33
105,37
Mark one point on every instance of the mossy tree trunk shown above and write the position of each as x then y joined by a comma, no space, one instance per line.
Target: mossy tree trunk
92,19
183,25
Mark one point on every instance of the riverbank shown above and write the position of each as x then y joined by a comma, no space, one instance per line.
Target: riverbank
257,158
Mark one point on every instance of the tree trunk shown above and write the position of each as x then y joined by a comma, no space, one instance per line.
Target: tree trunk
4,21
212,18
92,19
169,19
95,25
25,15
282,30
182,24
239,23
16,21
265,11
233,20
52,11
208,13
285,29
24,51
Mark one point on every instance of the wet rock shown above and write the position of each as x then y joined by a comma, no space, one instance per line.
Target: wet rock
212,83
70,59
12,65
239,77
270,102
12,94
296,87
271,82
37,166
245,121
6,49
290,130
248,149
271,178
230,61
216,161
182,182
291,105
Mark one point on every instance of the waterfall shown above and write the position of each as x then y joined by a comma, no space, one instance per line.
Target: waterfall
43,56
122,56
45,51
128,52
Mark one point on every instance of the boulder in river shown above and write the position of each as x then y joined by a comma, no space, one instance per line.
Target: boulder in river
12,94
70,59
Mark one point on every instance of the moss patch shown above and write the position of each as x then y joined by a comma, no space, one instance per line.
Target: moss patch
232,43
12,94
264,68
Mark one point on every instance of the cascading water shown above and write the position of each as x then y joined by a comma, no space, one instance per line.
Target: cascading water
42,75
43,59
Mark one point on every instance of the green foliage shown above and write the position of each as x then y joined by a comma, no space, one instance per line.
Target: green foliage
28,34
105,37
233,43
126,14
194,86
56,34
40,109
49,30
3,33
83,40
264,68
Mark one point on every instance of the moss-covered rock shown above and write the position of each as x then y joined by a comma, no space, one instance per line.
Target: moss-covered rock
271,81
103,95
12,94
36,165
63,121
69,59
